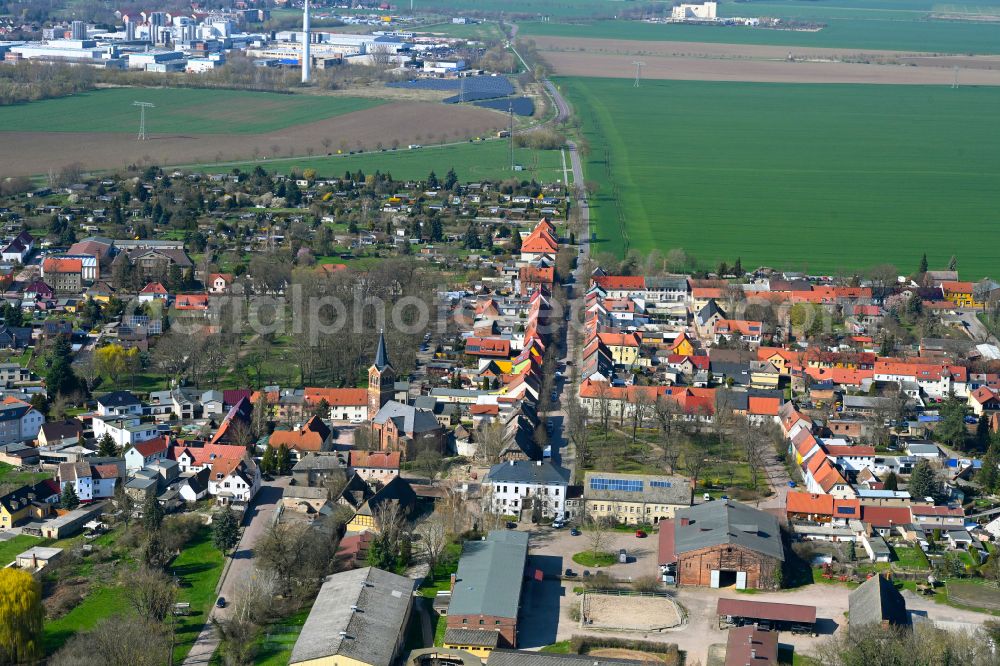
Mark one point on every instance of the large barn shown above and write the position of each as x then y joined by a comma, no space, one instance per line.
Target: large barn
722,543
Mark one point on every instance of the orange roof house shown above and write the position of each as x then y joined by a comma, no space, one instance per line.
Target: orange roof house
312,437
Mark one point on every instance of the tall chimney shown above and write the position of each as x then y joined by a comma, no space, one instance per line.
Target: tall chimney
306,57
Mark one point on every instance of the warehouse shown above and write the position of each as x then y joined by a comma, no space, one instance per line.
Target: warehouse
721,544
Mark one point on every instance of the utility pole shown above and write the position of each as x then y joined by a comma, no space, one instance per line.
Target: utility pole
510,132
638,71
142,117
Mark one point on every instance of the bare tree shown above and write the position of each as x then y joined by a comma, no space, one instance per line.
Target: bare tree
433,539
491,439
150,594
642,407
597,535
254,595
666,410
604,398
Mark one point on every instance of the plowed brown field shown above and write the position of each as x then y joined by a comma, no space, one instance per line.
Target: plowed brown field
30,153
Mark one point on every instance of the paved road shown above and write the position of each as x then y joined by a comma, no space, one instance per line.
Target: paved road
257,519
975,329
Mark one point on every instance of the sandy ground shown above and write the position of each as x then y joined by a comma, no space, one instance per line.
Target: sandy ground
29,153
631,613
577,63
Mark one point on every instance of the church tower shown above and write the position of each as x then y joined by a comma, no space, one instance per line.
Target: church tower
381,378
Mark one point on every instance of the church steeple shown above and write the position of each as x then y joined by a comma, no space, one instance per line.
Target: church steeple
381,378
381,355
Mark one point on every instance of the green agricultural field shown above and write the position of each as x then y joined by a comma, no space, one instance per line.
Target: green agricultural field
853,33
521,8
487,160
488,31
817,177
187,110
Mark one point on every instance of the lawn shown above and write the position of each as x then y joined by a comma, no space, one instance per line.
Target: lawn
198,567
101,603
589,558
487,160
178,110
974,595
10,474
276,642
488,31
911,558
13,547
439,579
801,176
523,8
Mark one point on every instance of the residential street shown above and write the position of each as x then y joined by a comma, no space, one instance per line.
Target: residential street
257,520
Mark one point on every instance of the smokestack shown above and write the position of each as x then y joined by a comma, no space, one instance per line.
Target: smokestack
306,58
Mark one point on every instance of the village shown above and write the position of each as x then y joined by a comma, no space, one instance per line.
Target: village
563,461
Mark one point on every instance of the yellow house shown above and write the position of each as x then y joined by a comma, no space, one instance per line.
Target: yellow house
634,499
682,346
27,502
473,641
962,294
359,619
624,347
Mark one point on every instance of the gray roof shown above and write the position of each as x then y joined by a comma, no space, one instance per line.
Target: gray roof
370,605
381,355
472,637
488,581
529,471
655,489
728,522
875,601
408,419
519,658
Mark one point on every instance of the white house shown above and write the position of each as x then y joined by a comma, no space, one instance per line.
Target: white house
512,483
194,487
145,452
19,422
119,403
90,482
234,481
125,432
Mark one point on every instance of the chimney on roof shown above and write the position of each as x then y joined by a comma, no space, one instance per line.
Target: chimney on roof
685,522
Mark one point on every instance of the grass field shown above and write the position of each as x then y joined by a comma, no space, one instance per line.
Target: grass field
10,474
13,547
472,161
487,31
521,8
817,177
974,595
849,29
102,603
178,110
199,567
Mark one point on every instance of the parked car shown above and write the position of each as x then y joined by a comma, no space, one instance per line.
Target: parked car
640,534
558,524
511,525
791,484
574,532
622,556
220,602
707,497
570,573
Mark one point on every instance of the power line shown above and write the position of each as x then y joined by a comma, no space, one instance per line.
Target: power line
638,71
142,117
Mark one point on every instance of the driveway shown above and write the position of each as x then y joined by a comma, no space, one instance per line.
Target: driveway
257,520
561,545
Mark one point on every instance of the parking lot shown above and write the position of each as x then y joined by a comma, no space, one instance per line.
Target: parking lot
561,545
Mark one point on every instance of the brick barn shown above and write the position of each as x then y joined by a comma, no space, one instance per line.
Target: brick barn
721,544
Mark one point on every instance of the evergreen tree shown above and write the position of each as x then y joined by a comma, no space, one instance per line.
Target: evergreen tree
437,230
432,180
738,267
953,263
60,379
284,460
269,461
472,241
951,428
891,481
152,514
923,481
225,530
923,264
982,433
106,448
69,499
989,475
450,180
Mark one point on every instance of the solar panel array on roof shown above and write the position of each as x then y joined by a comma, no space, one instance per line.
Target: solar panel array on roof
660,484
626,485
